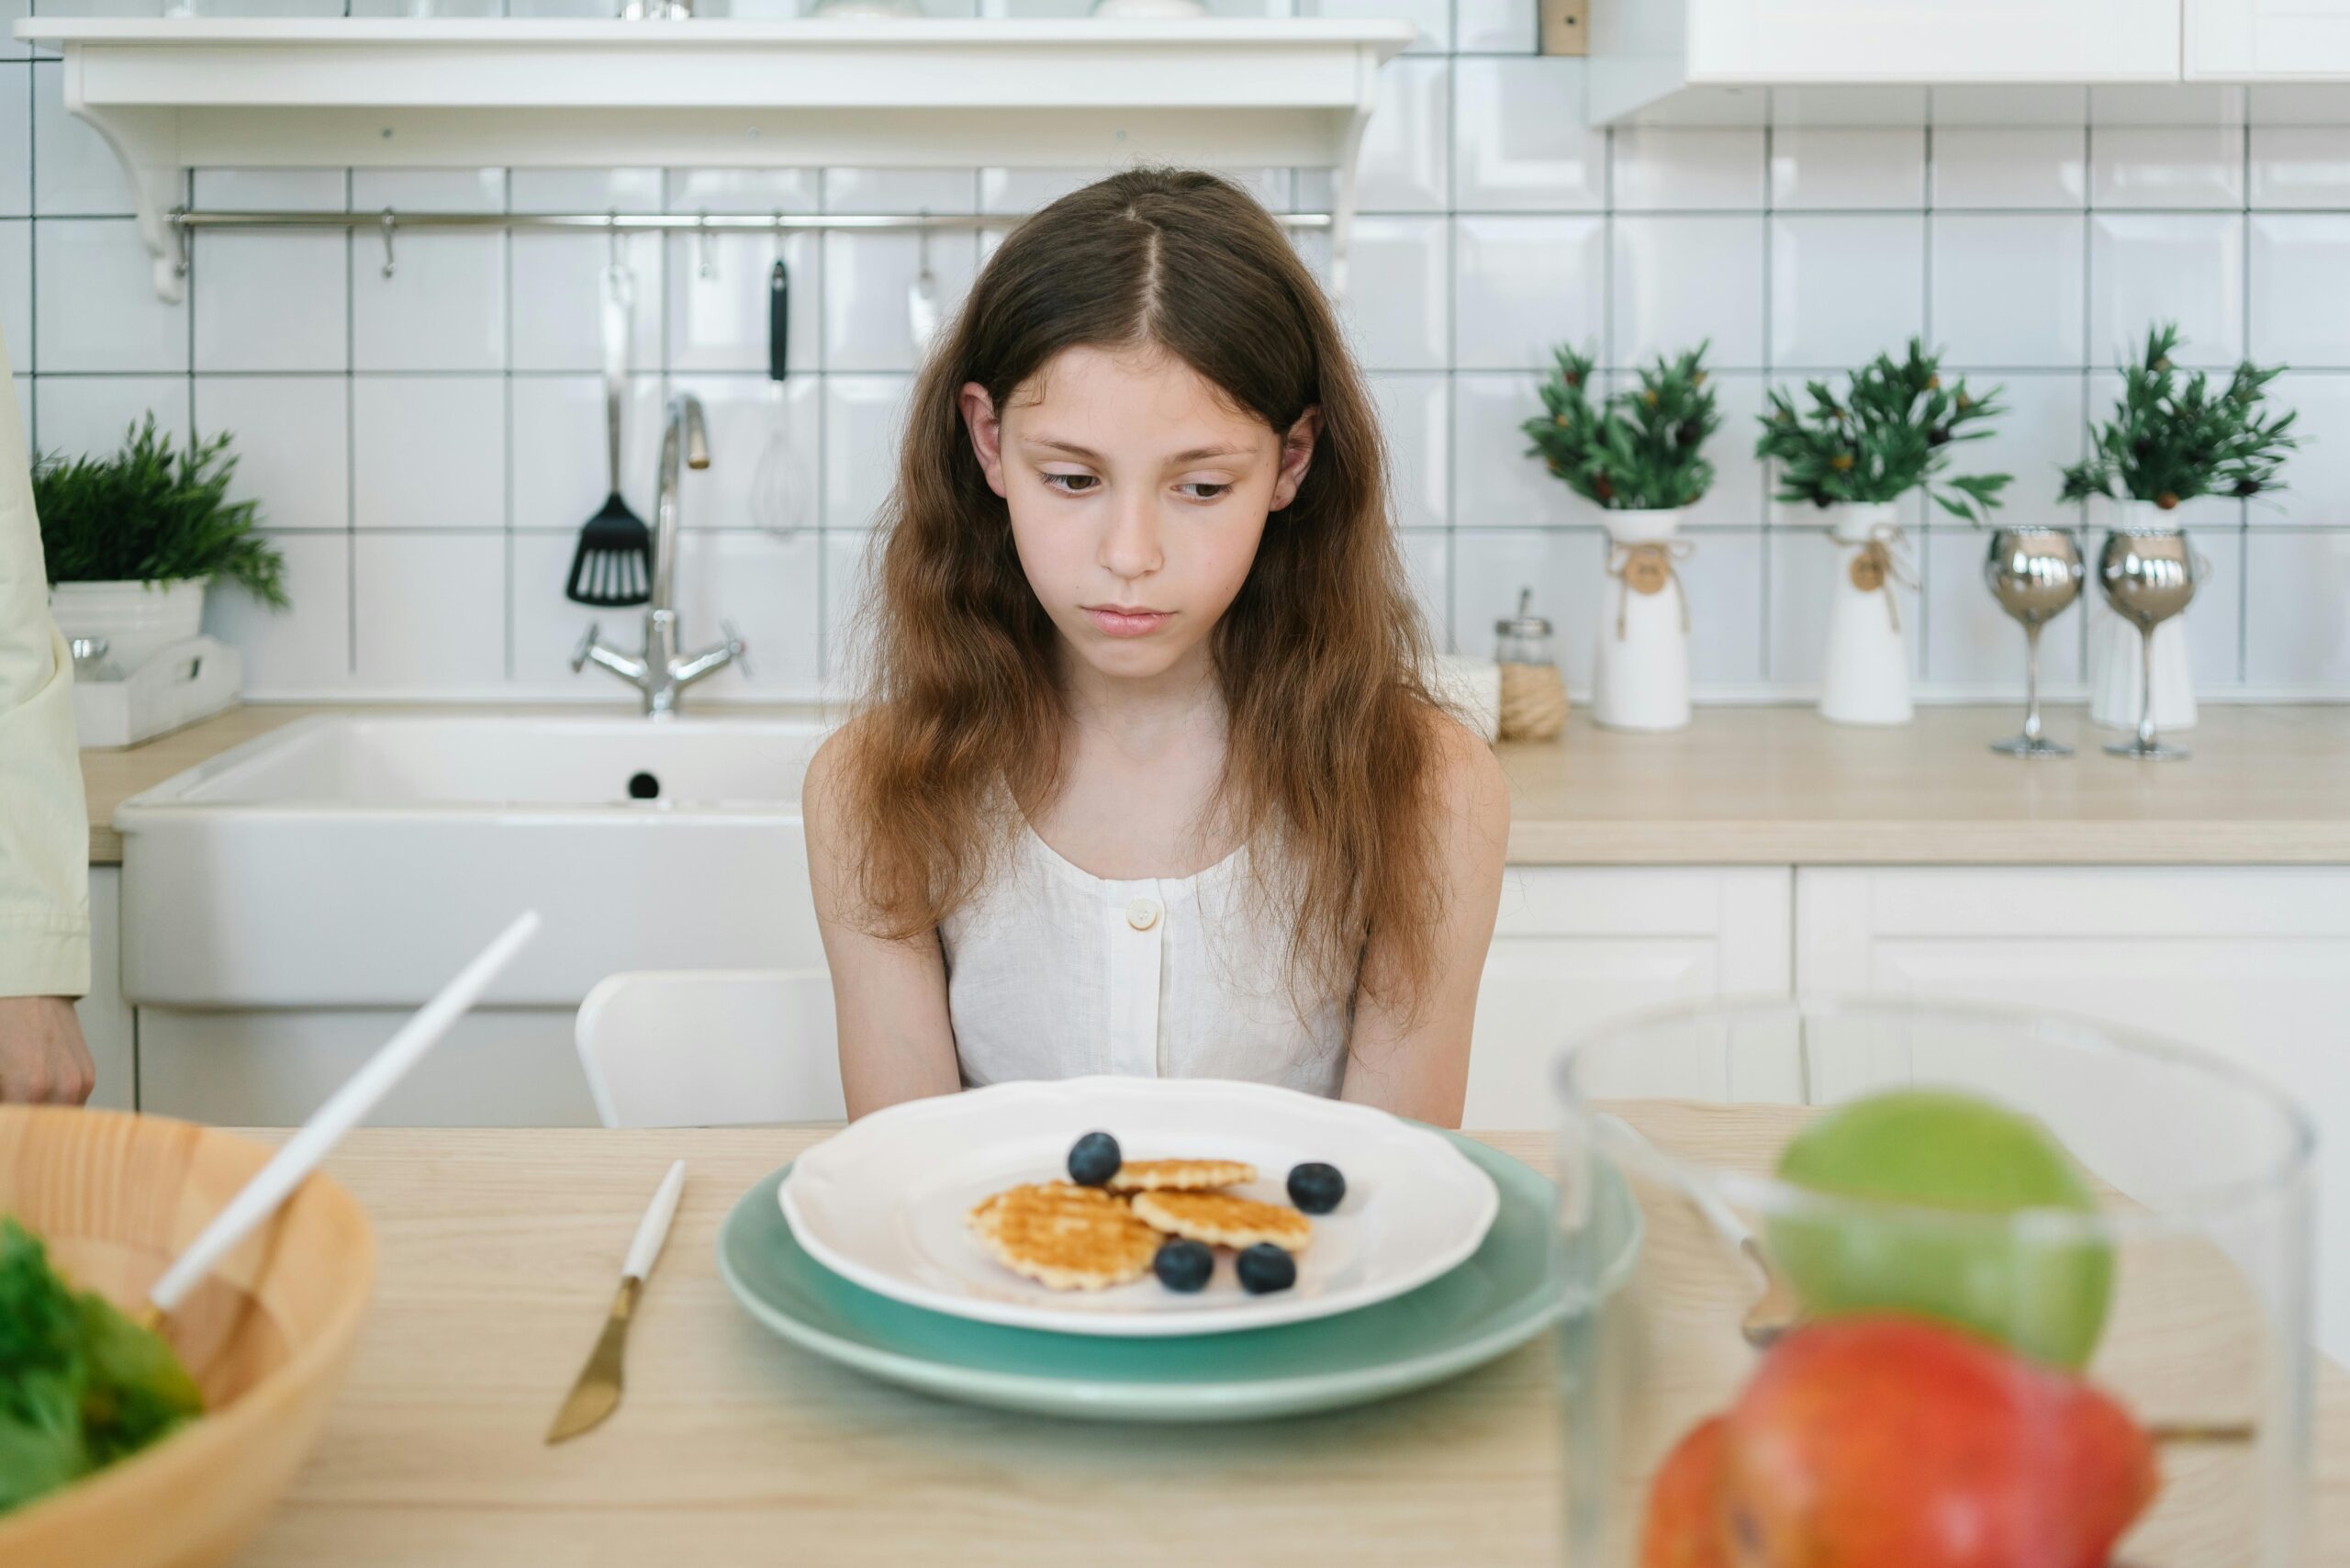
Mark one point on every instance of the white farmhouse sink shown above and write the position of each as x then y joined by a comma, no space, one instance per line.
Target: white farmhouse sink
356,861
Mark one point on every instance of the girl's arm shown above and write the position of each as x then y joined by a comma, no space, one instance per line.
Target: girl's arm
1419,1068
889,998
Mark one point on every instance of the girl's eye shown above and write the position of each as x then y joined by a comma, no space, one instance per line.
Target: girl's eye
1205,490
1072,484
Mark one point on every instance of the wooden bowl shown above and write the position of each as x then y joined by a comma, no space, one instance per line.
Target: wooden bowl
266,1336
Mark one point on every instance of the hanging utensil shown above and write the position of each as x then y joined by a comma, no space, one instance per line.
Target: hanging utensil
613,565
922,297
776,486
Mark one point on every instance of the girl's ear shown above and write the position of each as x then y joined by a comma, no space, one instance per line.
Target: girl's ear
1297,451
987,433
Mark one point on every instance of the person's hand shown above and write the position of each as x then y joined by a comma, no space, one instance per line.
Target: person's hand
42,1056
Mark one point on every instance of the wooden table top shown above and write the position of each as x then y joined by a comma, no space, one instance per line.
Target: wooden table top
1772,786
499,1253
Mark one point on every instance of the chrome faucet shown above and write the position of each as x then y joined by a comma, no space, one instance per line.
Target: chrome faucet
660,671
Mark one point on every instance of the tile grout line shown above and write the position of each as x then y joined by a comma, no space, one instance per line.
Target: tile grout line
825,672
1769,344
506,405
351,433
33,258
1926,320
1451,638
2090,210
2243,507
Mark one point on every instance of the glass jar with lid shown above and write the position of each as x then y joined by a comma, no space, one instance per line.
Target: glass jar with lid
1534,694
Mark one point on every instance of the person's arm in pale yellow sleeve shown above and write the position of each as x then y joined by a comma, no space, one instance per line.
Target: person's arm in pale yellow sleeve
44,823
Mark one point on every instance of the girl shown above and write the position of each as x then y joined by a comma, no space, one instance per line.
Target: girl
1148,780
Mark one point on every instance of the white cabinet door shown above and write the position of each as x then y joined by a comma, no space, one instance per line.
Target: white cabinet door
1797,41
2268,40
500,1066
2251,962
1575,946
106,1023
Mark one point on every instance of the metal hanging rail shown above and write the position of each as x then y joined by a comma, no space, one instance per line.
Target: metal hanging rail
388,221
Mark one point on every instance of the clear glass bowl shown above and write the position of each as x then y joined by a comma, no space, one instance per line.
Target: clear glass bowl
2118,1351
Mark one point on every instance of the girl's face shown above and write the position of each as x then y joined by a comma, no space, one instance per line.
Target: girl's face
1137,495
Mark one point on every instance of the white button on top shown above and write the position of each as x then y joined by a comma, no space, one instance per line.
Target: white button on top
1142,914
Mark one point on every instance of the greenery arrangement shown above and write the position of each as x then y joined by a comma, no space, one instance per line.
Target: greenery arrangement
1640,449
1891,432
81,1385
2171,440
151,514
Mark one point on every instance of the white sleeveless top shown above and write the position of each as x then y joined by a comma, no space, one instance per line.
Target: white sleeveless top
1055,972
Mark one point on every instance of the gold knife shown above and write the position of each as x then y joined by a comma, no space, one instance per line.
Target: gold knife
597,1392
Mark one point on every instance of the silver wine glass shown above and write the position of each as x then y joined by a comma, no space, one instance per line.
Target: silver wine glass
2035,574
2147,578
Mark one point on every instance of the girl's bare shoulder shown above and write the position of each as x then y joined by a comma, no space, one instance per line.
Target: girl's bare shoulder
1468,787
830,772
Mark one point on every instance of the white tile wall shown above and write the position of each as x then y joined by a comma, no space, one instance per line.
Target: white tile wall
2007,288
2186,265
1680,279
424,445
1844,284
429,451
292,444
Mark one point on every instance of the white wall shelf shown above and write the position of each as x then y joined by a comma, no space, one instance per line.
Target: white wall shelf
175,94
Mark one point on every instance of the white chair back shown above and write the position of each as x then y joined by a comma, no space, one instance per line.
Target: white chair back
712,1048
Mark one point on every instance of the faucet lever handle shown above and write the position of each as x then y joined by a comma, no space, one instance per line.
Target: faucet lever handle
736,647
579,654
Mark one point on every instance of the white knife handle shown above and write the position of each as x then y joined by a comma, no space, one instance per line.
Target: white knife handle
653,1228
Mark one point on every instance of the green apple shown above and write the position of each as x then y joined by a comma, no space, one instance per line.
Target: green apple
1931,1149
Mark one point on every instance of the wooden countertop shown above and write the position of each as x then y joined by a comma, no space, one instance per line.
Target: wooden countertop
500,1250
1779,785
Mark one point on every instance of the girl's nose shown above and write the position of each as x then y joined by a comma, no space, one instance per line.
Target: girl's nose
1130,548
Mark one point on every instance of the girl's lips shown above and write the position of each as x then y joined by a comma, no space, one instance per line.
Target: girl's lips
1128,622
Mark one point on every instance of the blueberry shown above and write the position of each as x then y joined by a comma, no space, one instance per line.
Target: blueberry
1093,1159
1265,1267
1317,1188
1183,1265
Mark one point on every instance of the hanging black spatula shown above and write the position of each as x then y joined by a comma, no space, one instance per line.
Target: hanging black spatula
613,565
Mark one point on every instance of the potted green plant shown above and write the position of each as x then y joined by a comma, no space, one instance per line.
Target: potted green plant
133,539
2171,439
1638,455
1853,457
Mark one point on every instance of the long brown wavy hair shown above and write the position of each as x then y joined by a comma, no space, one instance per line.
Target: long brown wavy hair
1330,754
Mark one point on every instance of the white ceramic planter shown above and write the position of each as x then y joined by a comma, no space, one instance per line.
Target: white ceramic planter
138,620
1641,678
2116,678
1865,677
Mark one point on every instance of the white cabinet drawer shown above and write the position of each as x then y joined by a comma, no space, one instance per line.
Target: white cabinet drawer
504,1067
2252,963
1574,947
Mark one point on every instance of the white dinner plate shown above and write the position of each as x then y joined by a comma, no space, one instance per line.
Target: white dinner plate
882,1203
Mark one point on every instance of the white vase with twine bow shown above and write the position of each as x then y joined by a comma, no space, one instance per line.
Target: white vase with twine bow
2116,665
1641,680
1872,602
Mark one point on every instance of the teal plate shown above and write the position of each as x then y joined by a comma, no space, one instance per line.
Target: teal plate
1504,1295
